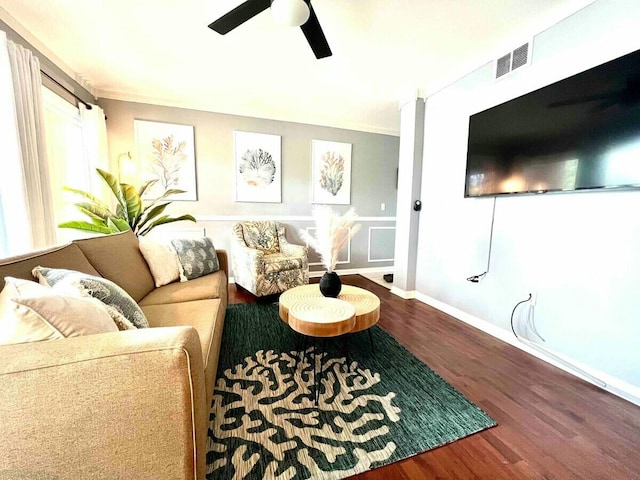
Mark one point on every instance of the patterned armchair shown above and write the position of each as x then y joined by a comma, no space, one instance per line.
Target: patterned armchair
263,261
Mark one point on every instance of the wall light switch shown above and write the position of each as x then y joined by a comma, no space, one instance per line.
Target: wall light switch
382,206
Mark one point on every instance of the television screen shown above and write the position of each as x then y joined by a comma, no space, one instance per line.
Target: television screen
580,133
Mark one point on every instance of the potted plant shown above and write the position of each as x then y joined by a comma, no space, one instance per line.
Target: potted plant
130,213
332,232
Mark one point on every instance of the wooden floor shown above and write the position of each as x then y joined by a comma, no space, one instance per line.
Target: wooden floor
551,425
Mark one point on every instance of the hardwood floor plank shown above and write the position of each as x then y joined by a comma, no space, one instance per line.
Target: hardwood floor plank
551,425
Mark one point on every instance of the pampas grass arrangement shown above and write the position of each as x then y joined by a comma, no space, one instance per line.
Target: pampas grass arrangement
332,232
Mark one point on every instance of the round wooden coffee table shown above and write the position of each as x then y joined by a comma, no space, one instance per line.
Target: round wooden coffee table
322,317
310,313
367,304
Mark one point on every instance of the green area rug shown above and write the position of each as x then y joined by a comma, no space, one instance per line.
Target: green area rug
385,405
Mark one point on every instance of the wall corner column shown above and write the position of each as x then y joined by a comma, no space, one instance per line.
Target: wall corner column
412,109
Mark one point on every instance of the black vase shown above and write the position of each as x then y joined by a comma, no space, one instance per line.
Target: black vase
330,284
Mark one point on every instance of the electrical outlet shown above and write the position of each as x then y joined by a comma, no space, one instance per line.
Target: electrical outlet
382,207
534,299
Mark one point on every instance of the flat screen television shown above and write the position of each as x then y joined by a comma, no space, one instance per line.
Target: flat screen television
580,133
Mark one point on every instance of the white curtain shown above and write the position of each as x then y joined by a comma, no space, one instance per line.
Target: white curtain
25,72
94,133
15,229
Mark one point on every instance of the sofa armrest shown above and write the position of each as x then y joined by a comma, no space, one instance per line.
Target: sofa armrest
293,250
223,261
115,405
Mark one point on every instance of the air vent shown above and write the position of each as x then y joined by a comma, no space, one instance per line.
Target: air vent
503,65
512,60
520,56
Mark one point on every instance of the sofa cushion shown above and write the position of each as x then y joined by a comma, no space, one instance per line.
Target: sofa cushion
30,312
206,316
130,271
210,286
162,261
104,290
68,256
195,257
278,262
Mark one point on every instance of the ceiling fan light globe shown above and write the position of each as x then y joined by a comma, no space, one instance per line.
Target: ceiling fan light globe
290,12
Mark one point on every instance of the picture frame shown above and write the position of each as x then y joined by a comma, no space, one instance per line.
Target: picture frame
166,153
258,167
330,172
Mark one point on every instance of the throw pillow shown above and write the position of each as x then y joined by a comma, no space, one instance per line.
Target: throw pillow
261,235
30,312
104,290
196,257
162,261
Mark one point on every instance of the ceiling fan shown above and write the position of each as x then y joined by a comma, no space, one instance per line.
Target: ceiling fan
291,12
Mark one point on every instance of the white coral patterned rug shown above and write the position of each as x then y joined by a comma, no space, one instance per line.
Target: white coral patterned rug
377,407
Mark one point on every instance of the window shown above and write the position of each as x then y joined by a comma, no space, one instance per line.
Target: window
66,157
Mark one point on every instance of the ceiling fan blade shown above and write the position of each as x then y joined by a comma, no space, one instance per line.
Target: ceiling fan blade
236,17
315,36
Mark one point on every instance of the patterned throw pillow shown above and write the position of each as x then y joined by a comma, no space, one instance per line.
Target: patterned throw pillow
196,257
261,235
104,290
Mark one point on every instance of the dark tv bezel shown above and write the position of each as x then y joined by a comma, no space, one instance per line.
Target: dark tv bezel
582,189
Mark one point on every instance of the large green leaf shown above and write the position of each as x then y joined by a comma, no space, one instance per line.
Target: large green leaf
118,224
88,196
171,191
166,219
134,204
86,226
151,214
146,185
94,211
114,185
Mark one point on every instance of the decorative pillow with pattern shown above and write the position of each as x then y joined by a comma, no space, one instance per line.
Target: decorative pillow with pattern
261,235
30,312
196,257
104,290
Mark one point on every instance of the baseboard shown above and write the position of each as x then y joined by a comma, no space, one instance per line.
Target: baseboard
407,295
600,379
351,271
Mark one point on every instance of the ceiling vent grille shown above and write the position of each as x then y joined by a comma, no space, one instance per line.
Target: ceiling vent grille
512,60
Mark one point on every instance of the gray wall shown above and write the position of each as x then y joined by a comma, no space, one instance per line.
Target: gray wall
373,175
578,251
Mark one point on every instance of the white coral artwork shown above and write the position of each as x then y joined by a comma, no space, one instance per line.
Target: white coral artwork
266,423
258,167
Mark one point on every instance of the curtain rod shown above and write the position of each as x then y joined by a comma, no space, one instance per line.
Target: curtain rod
89,107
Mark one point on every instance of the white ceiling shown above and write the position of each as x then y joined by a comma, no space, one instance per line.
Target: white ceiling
161,51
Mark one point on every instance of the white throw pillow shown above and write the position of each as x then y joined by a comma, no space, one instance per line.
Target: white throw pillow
100,288
162,260
30,312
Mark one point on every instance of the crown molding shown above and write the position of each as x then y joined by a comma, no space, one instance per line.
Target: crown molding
293,117
18,28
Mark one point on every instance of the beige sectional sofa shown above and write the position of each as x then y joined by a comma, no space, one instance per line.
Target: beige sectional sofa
124,405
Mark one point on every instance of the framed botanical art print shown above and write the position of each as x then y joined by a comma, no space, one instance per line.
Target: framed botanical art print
331,172
258,167
166,152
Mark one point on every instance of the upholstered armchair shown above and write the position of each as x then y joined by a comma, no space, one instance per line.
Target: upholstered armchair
263,261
